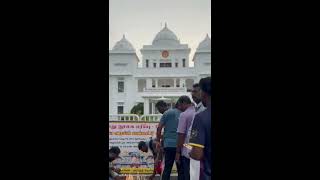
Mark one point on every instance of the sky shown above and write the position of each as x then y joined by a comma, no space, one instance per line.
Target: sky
141,20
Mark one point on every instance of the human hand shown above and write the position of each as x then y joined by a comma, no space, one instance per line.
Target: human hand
158,145
177,159
117,170
152,177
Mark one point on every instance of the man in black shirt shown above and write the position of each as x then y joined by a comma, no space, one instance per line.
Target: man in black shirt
200,138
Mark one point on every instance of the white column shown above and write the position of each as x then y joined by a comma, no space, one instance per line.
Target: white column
153,110
181,82
146,106
174,82
156,83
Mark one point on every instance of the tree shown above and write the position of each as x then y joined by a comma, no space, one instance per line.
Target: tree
137,109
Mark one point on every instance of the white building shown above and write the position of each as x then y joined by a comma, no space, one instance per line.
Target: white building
165,72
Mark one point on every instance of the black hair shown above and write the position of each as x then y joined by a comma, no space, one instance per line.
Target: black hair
184,100
205,85
141,144
161,104
196,85
115,150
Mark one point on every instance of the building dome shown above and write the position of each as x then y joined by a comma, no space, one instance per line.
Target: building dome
123,45
205,44
165,37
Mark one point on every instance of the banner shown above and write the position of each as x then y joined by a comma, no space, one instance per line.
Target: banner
127,135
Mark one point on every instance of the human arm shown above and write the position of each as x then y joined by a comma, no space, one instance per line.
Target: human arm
161,125
181,138
159,130
155,165
157,155
181,130
197,139
112,173
117,170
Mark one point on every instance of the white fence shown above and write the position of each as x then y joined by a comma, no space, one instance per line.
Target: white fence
167,89
134,117
151,117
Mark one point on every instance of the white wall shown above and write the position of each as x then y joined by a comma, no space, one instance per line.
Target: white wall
202,63
174,56
122,63
128,96
131,73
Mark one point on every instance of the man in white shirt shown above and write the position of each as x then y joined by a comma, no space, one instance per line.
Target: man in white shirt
195,166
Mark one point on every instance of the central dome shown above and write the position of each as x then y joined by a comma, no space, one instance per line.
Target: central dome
165,37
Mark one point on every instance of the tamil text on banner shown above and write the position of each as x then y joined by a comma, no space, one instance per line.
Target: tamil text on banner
127,135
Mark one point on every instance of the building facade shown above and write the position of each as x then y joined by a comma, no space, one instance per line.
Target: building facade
165,73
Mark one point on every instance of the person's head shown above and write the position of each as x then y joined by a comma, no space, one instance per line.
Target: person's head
161,106
195,93
176,105
114,153
183,103
205,90
143,146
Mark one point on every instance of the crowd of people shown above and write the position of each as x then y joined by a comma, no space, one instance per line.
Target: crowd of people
186,138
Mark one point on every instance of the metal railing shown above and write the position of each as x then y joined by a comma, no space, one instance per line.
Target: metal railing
124,117
151,117
134,117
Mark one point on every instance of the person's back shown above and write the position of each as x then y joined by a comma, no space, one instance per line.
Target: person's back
170,120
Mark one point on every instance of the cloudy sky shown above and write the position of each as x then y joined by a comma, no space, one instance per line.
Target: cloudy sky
141,20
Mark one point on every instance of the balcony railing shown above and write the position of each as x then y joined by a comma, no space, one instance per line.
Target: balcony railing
165,89
134,117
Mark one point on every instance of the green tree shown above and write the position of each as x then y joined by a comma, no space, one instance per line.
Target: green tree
137,109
